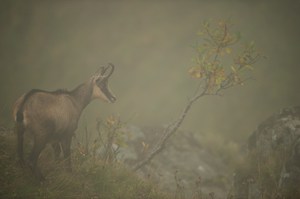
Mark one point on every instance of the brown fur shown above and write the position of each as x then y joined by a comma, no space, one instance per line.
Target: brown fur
53,116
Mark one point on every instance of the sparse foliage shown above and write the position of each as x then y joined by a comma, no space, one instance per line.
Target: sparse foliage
216,64
109,137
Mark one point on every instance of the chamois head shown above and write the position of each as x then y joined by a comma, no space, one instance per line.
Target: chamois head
100,84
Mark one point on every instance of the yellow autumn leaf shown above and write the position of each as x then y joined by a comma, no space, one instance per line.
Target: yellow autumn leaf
242,60
219,76
237,80
195,72
111,120
145,146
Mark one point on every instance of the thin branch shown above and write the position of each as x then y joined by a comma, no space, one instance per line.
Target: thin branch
169,130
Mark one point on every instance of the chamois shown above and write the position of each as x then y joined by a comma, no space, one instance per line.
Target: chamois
52,117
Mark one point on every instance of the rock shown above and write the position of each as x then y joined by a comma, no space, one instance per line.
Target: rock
184,156
271,168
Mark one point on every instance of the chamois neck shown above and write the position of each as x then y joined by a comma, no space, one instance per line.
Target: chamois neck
82,94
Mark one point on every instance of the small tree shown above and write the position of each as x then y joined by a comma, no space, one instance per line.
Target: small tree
216,68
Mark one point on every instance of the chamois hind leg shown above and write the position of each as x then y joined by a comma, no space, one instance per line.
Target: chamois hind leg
66,146
39,145
19,130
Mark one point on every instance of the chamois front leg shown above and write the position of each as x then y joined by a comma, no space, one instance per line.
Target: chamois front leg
66,146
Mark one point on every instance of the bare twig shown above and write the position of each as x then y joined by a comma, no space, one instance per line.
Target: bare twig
170,130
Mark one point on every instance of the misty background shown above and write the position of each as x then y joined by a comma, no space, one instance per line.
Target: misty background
59,44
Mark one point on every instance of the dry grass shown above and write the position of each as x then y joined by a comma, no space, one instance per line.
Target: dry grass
90,178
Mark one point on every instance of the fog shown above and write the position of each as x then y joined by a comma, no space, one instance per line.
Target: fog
59,44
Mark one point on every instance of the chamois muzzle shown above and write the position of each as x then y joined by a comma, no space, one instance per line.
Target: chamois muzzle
112,99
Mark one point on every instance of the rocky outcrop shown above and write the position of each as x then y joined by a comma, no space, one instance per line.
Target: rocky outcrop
271,168
182,164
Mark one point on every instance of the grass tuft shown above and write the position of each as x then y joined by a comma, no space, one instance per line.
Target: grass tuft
90,178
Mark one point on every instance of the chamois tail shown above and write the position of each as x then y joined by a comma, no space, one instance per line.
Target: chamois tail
19,125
